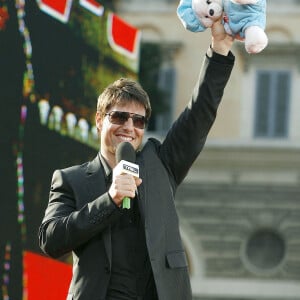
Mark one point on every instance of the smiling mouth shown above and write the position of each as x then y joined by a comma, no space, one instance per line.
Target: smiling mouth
125,138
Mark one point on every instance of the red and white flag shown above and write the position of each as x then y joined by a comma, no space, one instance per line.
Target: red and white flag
57,9
93,6
122,37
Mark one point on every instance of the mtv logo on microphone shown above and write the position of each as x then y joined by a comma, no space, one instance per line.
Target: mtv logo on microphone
128,168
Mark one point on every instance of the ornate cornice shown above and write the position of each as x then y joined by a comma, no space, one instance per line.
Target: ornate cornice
276,51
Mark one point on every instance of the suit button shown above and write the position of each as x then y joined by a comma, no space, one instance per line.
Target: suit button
107,269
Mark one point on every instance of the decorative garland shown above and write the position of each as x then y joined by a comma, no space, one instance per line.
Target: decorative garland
28,87
6,267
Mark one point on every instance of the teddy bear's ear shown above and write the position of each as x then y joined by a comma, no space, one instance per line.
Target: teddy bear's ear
188,17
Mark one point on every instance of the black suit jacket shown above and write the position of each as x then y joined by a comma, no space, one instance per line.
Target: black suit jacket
80,212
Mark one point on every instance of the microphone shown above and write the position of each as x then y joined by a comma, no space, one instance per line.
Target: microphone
125,157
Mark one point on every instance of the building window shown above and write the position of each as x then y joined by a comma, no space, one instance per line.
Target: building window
157,76
264,251
166,81
272,104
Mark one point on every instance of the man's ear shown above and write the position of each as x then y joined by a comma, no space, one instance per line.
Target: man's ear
99,121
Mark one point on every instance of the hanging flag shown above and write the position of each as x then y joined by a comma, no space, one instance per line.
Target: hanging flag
44,277
92,6
4,16
123,37
57,9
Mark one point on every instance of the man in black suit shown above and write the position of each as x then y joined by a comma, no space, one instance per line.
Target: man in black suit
134,253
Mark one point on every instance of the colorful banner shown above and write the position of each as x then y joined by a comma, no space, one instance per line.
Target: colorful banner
122,37
45,278
93,6
57,9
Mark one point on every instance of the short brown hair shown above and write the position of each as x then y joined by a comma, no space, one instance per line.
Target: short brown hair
122,91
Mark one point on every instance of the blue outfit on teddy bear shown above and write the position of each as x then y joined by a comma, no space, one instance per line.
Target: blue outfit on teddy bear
242,16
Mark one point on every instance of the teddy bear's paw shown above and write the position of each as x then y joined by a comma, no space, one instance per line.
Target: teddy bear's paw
255,39
257,46
254,48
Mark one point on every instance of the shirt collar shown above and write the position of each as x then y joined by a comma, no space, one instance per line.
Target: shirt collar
106,167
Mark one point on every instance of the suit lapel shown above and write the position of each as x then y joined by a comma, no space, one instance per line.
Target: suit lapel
141,188
97,186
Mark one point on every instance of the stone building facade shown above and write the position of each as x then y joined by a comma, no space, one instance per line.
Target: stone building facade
240,204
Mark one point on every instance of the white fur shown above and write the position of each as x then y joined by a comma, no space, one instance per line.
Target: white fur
203,11
256,39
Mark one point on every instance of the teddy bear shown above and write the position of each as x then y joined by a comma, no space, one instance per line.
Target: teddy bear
244,19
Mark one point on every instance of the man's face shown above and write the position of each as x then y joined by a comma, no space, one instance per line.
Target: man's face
112,134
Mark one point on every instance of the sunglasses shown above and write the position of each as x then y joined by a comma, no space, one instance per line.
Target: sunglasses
120,117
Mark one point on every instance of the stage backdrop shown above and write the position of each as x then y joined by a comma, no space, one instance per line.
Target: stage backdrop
55,59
